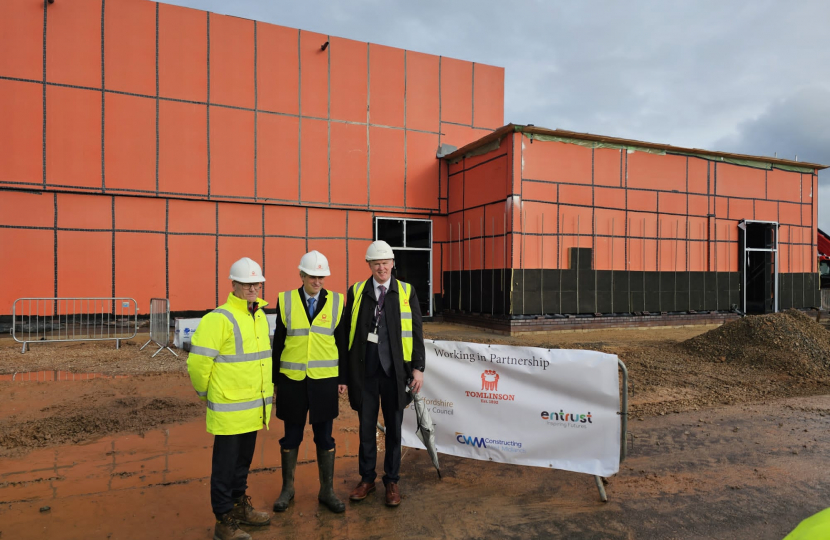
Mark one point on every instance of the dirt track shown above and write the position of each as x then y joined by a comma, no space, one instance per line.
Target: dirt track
722,448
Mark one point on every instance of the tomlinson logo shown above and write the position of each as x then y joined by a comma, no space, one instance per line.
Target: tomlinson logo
471,441
324,316
490,380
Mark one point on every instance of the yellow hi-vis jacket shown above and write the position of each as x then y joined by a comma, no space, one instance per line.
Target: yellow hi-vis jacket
230,367
309,349
406,315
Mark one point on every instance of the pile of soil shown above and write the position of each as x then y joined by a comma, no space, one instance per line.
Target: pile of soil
84,419
789,342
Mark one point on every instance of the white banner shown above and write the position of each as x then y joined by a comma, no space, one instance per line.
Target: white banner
522,405
184,329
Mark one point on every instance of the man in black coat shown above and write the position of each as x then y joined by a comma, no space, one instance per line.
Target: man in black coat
378,367
302,389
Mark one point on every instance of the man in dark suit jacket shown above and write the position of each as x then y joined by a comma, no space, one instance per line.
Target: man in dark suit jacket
303,389
386,350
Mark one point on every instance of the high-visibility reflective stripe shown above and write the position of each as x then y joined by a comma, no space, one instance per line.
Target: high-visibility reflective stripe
406,333
335,311
234,407
247,357
237,333
321,330
297,332
322,363
292,365
204,351
406,315
287,314
201,394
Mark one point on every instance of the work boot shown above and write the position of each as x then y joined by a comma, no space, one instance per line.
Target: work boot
325,466
243,512
289,465
228,529
393,494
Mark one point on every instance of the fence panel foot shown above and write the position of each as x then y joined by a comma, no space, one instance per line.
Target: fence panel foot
602,496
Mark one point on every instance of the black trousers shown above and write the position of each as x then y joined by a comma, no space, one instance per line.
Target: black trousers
232,455
380,390
294,435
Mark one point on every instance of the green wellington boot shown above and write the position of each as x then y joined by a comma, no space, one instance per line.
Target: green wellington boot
289,465
325,465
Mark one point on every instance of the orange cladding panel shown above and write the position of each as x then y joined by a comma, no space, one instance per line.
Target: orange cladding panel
652,171
789,213
456,91
459,135
698,175
192,272
192,217
607,197
578,195
608,167
698,205
324,223
806,214
73,38
806,188
485,183
278,157
139,214
314,73
182,148
361,226
231,152
610,222
671,203
278,68
239,218
139,268
766,210
335,252
721,207
783,185
281,270
21,143
488,96
421,170
231,61
130,143
286,221
20,277
25,209
422,91
314,161
182,44
358,269
73,137
231,249
130,46
386,166
387,85
738,181
555,161
348,164
642,200
542,191
741,209
21,30
84,264
349,80
84,211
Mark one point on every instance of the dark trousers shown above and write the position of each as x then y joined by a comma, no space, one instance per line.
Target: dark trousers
294,435
232,455
380,390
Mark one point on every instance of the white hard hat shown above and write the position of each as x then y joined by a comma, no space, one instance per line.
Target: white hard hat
246,270
379,250
315,263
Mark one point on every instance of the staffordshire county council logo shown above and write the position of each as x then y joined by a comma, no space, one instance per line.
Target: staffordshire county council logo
490,380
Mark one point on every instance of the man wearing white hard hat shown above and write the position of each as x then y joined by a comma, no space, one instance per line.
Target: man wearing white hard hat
310,341
386,351
230,368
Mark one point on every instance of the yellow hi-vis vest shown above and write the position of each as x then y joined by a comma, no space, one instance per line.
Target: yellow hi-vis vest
309,349
406,315
230,367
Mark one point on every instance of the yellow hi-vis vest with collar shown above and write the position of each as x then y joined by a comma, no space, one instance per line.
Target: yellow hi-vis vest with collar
230,367
310,349
406,315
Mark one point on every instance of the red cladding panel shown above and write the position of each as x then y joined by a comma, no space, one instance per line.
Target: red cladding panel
323,223
194,289
84,264
698,175
349,79
485,183
314,162
282,260
741,209
488,96
540,191
421,91
182,148
278,157
21,30
577,195
182,43
238,218
766,210
348,164
555,161
23,209
608,197
130,46
698,205
73,36
459,135
421,170
789,213
139,214
456,91
84,211
652,171
139,268
192,217
21,139
73,137
314,71
231,61
231,152
671,203
20,277
608,167
387,166
278,68
783,185
335,252
130,146
737,181
285,221
361,226
387,84
642,200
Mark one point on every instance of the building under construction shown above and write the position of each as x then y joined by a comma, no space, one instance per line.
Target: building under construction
144,147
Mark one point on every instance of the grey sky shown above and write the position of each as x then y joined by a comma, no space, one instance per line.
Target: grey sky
748,77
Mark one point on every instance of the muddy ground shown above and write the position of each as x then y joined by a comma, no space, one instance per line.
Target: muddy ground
728,439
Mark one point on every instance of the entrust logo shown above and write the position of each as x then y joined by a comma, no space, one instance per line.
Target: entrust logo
490,380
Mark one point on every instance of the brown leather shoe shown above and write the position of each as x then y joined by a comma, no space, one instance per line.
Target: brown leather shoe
393,495
361,491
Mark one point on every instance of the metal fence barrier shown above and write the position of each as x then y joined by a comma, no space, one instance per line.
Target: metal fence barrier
825,299
159,325
36,320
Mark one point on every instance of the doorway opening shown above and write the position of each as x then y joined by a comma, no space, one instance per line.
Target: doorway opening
411,239
759,265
